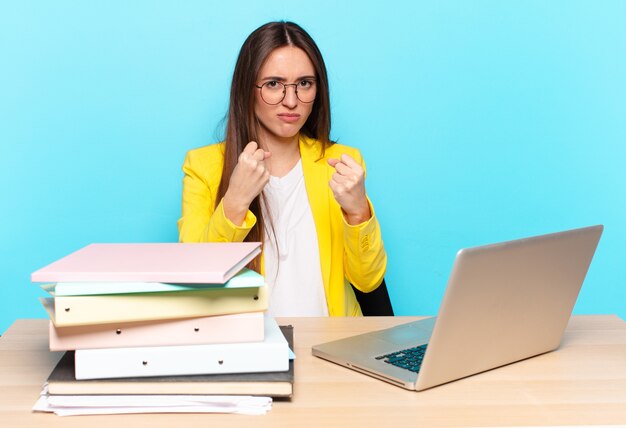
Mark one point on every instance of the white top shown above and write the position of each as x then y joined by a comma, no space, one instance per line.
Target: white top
292,270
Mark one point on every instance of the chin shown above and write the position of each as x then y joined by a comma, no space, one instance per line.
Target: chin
287,132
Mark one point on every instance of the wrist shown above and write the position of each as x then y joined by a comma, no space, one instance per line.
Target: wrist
359,216
235,210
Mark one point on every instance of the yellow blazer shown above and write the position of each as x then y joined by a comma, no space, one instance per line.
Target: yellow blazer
348,254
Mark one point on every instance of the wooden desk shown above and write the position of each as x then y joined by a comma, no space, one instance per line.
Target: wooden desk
584,382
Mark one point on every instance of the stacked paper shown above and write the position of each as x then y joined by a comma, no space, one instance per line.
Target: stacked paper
126,404
157,310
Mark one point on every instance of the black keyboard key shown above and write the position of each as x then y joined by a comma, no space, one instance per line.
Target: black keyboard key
409,359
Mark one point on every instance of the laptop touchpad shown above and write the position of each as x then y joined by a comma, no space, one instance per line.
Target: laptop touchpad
415,333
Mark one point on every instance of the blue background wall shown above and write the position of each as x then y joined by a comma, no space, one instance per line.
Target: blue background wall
480,121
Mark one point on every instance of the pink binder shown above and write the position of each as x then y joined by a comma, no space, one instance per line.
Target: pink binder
165,262
233,328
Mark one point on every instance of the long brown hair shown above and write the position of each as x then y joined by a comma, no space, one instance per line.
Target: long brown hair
241,122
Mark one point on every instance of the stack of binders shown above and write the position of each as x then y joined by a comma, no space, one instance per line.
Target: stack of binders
163,319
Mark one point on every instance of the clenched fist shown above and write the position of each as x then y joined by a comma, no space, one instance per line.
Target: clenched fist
247,181
348,186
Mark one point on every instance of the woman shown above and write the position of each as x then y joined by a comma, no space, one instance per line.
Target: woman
278,179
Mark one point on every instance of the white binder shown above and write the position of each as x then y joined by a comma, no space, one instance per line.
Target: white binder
271,355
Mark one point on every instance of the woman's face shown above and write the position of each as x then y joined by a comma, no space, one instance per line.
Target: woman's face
284,120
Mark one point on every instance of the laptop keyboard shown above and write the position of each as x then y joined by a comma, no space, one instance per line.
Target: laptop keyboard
410,359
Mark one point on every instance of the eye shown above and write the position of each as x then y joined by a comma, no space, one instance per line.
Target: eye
305,84
272,84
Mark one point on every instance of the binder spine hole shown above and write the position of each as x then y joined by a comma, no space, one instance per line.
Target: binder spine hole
67,309
118,331
256,297
196,329
220,362
145,363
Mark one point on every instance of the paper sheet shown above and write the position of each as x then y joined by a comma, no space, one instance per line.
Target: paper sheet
73,405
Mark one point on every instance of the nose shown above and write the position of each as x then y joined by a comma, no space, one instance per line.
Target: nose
291,97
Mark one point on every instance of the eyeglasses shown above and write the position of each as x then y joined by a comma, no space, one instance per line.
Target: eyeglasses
273,92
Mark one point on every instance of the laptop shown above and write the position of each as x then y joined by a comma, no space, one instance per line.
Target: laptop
503,303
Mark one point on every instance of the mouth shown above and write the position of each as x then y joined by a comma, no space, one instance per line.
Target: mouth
289,117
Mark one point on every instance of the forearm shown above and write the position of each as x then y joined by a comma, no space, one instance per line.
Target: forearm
201,220
365,259
216,227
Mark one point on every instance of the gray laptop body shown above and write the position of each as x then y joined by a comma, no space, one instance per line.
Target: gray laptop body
503,303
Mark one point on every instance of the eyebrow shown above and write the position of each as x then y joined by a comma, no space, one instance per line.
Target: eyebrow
282,79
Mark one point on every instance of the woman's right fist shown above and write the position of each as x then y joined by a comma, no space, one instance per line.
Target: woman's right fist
247,181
